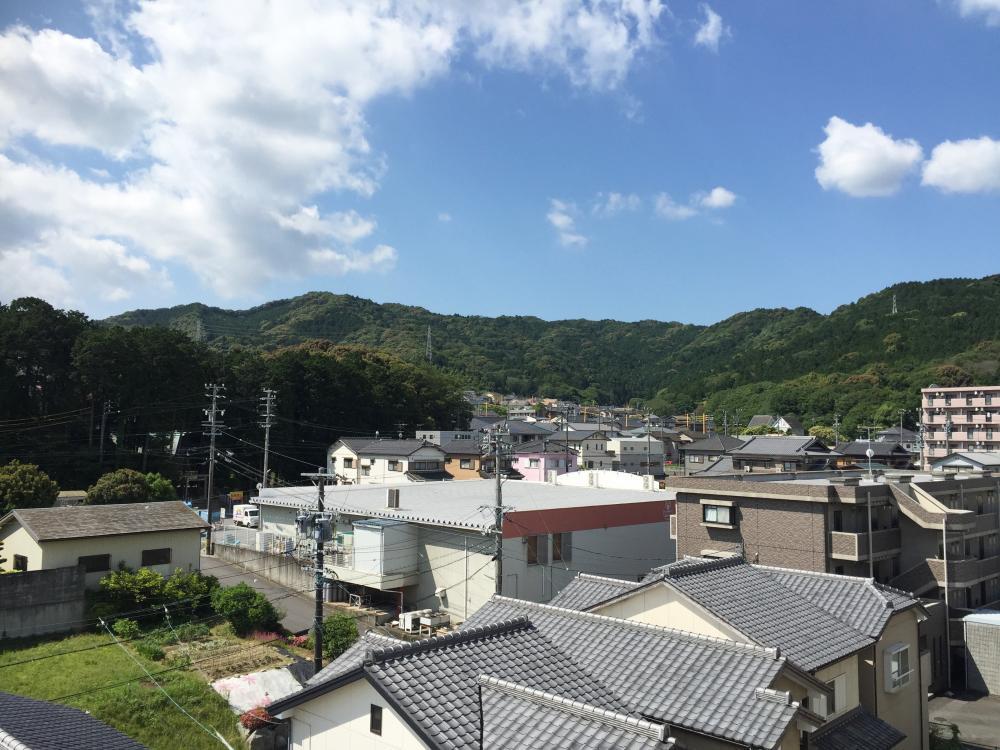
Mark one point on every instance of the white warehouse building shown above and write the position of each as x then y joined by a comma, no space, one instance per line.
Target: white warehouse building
428,545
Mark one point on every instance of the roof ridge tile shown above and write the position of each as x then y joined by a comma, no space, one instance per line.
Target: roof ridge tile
690,566
378,655
769,652
629,722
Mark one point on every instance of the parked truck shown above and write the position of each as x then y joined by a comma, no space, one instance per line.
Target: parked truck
246,515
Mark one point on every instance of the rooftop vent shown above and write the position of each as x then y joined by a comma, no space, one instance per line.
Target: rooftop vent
846,481
392,497
900,478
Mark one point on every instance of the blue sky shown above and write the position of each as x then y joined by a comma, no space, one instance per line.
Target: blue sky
563,160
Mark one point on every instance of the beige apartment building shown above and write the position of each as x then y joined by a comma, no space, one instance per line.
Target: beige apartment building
959,419
935,536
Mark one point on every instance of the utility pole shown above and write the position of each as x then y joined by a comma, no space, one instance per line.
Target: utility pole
268,415
321,531
901,413
496,442
104,422
214,426
836,430
649,456
566,435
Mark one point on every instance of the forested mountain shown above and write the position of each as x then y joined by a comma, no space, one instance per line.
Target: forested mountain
861,361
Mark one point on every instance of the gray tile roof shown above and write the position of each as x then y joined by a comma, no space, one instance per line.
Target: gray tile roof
586,590
855,730
435,682
27,724
537,446
782,445
353,657
859,448
369,447
516,717
705,684
765,610
713,444
761,420
49,524
859,602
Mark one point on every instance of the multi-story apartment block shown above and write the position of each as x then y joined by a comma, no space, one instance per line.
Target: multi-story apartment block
936,536
959,419
638,455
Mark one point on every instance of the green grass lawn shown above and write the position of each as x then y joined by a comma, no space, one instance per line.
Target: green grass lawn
137,709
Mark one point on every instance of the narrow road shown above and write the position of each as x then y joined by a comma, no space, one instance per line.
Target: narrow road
299,607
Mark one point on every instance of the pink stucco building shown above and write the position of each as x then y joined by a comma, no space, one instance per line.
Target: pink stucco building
534,460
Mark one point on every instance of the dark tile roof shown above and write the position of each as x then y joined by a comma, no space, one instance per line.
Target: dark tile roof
435,682
705,684
761,420
370,447
713,444
855,730
353,657
765,610
859,448
462,447
27,724
429,476
516,716
539,446
49,524
587,590
782,445
794,425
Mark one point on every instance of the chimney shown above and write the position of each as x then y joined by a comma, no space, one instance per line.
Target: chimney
392,497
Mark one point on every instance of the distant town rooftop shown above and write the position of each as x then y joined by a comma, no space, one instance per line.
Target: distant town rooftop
465,504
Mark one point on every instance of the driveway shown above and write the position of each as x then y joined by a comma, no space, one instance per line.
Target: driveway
977,717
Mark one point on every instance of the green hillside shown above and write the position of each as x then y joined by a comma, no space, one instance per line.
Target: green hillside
861,361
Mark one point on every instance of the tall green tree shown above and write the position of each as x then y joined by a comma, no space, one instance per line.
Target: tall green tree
120,486
25,486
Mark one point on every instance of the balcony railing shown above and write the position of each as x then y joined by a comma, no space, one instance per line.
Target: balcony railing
848,545
961,572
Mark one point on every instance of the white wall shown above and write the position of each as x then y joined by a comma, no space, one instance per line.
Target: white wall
664,606
340,720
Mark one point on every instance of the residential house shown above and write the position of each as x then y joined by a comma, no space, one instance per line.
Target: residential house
591,447
463,458
638,455
368,461
439,553
538,459
780,453
857,638
907,438
28,724
787,424
439,437
700,453
161,536
967,461
520,431
884,455
958,419
890,528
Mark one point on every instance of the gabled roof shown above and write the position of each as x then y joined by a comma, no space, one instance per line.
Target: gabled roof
82,521
27,724
586,590
371,447
794,425
540,446
780,445
714,444
856,729
894,433
708,685
764,607
980,459
515,716
462,448
859,448
761,420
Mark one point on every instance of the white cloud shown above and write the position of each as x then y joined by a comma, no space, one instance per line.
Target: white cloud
712,31
611,204
667,208
988,10
717,197
561,216
967,166
232,144
444,217
863,161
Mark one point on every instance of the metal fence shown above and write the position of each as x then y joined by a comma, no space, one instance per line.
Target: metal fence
259,541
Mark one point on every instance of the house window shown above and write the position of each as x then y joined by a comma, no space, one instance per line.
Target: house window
838,694
348,463
366,470
20,563
536,550
897,667
717,514
394,465
156,556
788,466
94,563
562,547
465,463
533,463
375,720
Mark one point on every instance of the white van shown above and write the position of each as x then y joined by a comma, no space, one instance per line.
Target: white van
246,515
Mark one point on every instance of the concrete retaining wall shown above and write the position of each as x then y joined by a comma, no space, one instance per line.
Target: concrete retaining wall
41,601
282,569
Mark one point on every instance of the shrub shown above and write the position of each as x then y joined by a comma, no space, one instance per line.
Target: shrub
264,636
299,641
339,632
126,629
121,486
255,718
245,609
133,589
150,649
182,586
